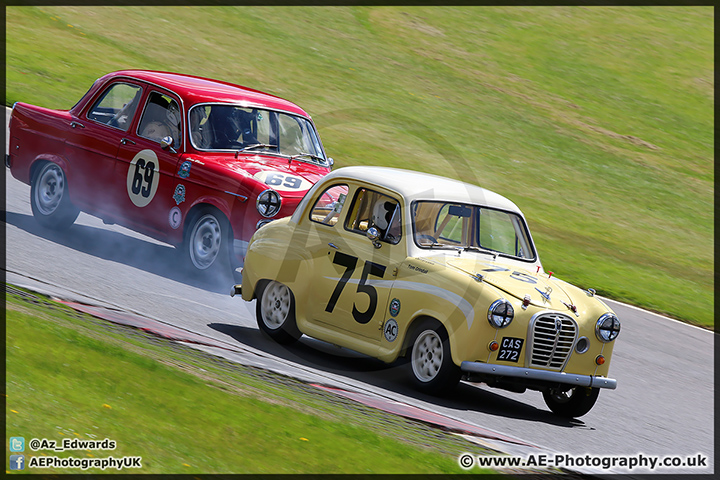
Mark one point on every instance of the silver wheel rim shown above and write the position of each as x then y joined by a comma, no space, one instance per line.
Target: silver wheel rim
563,397
49,190
275,305
427,356
205,241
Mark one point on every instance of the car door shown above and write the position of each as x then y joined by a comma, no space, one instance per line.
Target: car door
147,173
92,142
353,279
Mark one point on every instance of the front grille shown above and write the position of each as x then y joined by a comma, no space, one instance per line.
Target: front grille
551,346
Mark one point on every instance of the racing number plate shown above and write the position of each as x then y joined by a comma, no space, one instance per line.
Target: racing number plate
510,349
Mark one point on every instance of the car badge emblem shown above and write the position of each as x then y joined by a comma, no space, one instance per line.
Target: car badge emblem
558,325
179,195
545,294
184,171
394,307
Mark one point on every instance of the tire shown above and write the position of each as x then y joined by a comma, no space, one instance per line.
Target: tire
431,366
275,312
49,198
207,240
572,403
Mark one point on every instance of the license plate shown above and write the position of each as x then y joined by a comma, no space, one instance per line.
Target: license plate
510,349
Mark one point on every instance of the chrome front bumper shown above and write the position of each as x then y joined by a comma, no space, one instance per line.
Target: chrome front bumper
544,375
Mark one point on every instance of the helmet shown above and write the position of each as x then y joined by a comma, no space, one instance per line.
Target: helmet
173,114
382,212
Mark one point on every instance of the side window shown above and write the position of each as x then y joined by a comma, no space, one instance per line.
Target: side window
328,206
117,106
161,118
373,209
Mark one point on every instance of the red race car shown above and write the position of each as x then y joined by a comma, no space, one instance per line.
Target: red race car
197,163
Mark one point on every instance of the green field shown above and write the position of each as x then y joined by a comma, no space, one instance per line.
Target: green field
72,377
596,121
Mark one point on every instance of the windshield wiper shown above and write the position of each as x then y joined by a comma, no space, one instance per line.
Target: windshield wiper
258,145
314,157
432,245
481,250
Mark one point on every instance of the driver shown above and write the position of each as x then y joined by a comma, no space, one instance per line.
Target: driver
244,123
198,130
381,216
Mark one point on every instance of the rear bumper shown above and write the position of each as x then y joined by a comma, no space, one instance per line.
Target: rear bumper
539,375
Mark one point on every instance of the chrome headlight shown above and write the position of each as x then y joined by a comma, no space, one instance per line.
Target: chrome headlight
500,313
268,203
607,328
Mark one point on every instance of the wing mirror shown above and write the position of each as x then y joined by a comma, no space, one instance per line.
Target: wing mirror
374,235
166,144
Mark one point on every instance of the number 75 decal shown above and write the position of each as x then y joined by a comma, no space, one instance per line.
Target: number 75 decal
370,268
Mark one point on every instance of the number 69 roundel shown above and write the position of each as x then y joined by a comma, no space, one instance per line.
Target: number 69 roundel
143,177
370,268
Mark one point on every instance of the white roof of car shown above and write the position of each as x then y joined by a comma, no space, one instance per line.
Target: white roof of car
424,186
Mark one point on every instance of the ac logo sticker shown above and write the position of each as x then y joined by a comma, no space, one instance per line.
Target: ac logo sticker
391,330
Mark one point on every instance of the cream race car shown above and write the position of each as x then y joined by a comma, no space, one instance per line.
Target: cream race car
393,263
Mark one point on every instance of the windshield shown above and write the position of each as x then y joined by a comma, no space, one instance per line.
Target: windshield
233,127
456,225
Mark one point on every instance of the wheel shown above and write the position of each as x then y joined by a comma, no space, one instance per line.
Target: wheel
431,365
49,198
207,241
572,403
275,312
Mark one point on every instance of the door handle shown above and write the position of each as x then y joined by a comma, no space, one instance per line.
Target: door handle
75,124
125,141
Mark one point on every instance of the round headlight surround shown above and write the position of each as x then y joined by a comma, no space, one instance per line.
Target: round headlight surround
501,313
607,328
268,203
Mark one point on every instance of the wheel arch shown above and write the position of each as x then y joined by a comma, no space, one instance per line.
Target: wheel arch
41,160
412,330
206,202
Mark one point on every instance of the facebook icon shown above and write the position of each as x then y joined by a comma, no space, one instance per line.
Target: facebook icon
17,462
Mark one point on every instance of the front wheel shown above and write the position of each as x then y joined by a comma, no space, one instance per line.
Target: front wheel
572,403
275,312
49,198
431,364
207,239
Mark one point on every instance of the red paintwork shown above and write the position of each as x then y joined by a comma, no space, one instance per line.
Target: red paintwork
96,163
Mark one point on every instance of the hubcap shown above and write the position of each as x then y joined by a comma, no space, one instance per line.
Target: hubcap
427,356
563,397
49,190
205,242
275,305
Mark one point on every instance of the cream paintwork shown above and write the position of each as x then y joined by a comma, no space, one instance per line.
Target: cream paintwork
440,284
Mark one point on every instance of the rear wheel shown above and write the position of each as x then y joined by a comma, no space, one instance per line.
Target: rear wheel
431,365
49,198
572,403
275,312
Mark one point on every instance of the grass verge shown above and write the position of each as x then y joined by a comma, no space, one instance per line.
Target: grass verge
72,376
